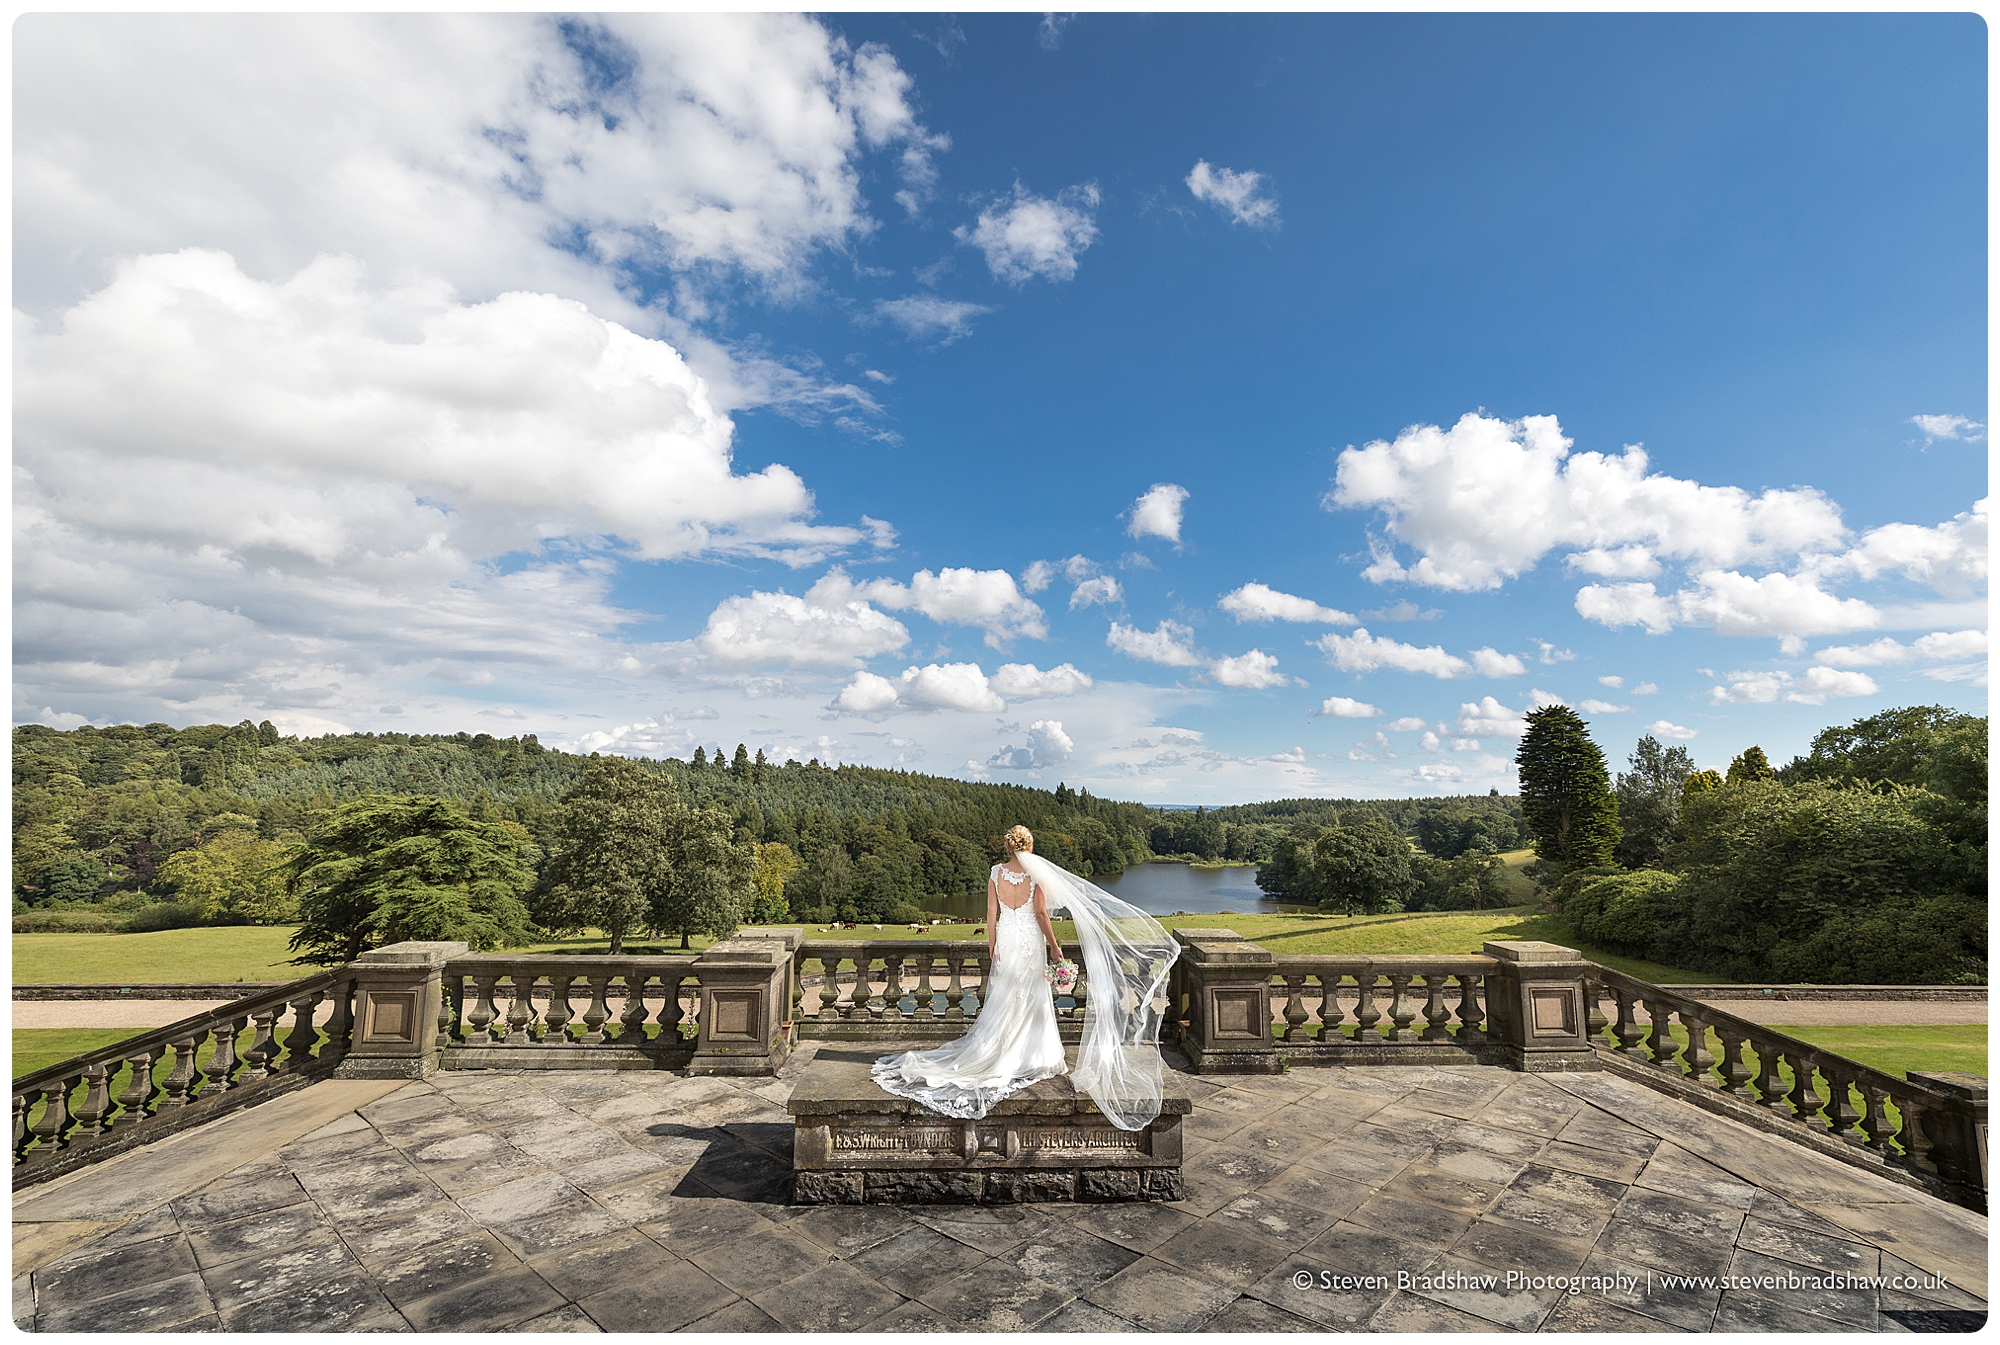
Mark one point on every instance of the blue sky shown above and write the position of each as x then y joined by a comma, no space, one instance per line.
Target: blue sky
1196,408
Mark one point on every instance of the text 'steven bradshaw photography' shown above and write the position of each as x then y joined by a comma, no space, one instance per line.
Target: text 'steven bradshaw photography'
1062,673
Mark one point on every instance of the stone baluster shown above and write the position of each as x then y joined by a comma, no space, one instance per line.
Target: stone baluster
520,1007
1840,1111
1770,1082
1401,1012
1594,1021
1694,1056
1734,1073
1627,1034
224,1063
892,987
1875,1122
1805,1099
93,1111
302,1041
52,1125
451,1002
599,1011
1435,1012
1295,1007
135,1104
1470,1015
479,1018
854,1003
922,1007
671,1014
983,965
1081,995
1660,1037
1330,1012
340,1022
180,1080
263,1046
954,991
555,1023
1366,1015
1914,1138
632,1019
871,1009
20,1127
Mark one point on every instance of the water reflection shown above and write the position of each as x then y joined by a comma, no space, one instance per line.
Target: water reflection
1158,889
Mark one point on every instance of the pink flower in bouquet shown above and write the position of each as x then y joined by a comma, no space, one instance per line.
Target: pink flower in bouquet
1062,976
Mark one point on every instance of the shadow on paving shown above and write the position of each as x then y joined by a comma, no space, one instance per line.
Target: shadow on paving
1393,1199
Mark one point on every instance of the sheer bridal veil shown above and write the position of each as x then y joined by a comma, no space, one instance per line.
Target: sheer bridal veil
1126,956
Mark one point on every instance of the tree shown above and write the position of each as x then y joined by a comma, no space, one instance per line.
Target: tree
1752,764
707,876
1701,782
384,869
232,878
607,851
1649,801
739,765
1361,867
1566,797
775,862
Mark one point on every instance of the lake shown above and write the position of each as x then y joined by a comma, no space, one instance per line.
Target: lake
1157,889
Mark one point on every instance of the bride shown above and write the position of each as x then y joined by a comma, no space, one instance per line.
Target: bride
1014,1042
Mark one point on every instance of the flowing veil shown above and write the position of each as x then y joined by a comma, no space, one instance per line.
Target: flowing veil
1126,956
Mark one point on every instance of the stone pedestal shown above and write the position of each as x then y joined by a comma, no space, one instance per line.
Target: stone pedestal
1534,1007
398,993
853,1143
1959,1128
745,992
1227,984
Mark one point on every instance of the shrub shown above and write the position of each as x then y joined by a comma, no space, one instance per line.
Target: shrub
1639,913
69,922
164,915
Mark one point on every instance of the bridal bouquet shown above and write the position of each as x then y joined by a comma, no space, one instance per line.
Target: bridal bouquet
1061,975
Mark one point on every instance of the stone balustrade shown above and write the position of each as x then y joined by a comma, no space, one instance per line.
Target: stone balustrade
1930,1125
107,1100
905,989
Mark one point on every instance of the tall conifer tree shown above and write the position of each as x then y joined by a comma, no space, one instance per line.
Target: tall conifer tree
1566,797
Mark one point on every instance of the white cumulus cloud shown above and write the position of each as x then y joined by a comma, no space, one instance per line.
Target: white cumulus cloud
1407,724
1488,717
1171,643
949,686
1244,196
778,629
987,599
1490,662
1611,680
1664,728
1157,513
1024,235
1259,602
1818,684
1597,707
1378,748
1342,707
1256,670
1937,647
1485,500
1362,652
1024,681
1100,589
1047,746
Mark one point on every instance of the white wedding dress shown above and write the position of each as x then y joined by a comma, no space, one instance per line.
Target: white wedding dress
1013,1041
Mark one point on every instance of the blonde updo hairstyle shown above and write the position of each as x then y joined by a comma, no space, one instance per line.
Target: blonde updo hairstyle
1017,840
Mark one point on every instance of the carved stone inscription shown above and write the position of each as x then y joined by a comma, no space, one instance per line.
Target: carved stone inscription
1091,1139
914,1139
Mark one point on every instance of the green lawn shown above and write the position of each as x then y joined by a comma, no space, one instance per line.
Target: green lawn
1898,1050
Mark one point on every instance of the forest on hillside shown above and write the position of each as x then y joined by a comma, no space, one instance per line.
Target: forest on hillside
145,826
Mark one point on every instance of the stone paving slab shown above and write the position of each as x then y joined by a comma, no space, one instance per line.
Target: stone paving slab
1411,1199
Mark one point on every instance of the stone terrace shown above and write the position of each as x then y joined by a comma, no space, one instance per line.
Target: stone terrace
652,1201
